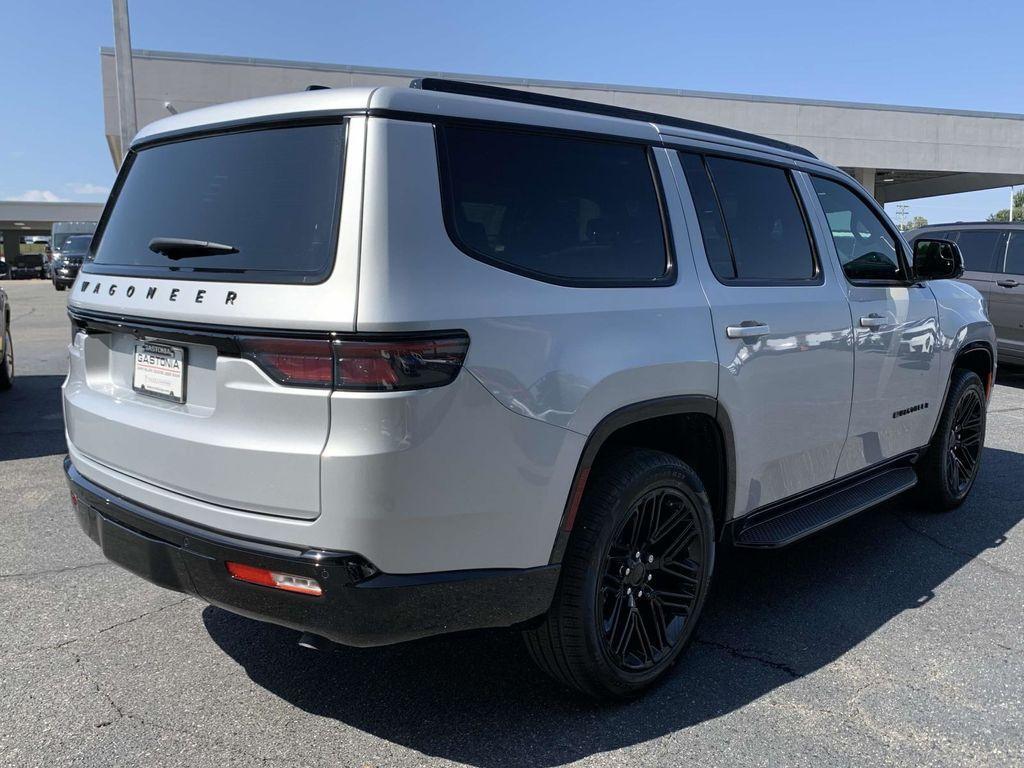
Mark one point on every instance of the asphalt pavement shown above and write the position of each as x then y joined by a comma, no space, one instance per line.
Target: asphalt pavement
895,638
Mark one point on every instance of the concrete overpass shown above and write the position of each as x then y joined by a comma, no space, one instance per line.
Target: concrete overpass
18,219
899,153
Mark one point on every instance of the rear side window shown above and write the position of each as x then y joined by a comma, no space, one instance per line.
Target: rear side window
981,248
867,248
1015,253
712,225
554,208
749,216
272,194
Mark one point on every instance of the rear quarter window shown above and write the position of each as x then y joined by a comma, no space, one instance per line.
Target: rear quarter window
555,208
272,194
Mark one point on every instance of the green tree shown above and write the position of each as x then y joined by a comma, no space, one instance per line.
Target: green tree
914,223
1018,209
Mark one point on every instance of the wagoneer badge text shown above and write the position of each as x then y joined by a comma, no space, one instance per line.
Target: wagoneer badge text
151,292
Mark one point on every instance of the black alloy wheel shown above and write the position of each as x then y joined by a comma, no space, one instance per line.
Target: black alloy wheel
948,469
652,576
964,442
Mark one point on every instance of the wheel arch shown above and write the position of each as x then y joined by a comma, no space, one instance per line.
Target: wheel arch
975,356
680,425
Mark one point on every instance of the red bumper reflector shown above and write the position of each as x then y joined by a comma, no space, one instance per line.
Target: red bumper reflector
575,499
289,582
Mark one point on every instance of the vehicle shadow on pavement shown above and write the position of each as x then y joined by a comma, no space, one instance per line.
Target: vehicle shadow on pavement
772,618
1010,376
31,419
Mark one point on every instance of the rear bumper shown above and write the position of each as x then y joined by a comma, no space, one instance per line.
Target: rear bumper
360,605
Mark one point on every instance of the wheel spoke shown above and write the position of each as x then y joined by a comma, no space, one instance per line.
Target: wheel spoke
645,640
688,534
627,632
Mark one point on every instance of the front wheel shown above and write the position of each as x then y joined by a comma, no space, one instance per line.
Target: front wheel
947,472
634,577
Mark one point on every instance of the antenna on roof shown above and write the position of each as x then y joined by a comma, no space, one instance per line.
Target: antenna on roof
318,87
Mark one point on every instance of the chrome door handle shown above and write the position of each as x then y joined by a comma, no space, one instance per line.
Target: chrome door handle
1008,283
747,330
872,321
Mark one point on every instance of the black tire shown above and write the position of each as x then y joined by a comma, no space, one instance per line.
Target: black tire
948,470
7,362
597,635
59,287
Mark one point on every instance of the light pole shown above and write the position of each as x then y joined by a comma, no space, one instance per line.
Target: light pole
125,76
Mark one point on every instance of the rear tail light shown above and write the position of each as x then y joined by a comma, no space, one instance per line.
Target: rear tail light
295,362
377,364
289,582
395,364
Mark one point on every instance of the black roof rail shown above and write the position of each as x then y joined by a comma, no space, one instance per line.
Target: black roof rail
464,88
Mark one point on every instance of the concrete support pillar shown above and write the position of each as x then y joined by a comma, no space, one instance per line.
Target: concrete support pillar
866,177
12,245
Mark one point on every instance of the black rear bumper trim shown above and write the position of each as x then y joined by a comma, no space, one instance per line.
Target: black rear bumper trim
360,605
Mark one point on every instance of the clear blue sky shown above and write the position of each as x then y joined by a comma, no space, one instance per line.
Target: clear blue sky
934,54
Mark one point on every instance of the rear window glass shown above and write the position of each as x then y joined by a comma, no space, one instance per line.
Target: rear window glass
555,207
272,194
981,248
1015,253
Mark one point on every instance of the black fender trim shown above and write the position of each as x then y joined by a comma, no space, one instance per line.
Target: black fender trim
970,346
633,414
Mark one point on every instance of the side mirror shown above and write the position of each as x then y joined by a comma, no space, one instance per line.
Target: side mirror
937,260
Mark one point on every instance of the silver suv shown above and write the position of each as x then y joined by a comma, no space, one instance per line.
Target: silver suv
993,254
378,364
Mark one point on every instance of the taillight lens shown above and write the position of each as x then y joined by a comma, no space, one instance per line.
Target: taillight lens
378,364
389,364
295,362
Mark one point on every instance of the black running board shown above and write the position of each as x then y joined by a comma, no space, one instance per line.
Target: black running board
782,525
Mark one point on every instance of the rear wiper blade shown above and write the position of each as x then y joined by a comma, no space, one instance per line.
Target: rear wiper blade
183,248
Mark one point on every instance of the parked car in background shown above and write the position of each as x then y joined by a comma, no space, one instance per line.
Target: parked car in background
6,344
65,265
384,363
60,232
5,271
993,255
28,266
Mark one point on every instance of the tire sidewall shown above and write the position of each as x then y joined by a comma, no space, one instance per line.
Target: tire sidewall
7,361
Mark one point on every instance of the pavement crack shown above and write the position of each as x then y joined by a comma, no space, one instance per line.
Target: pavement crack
955,550
118,711
153,612
70,641
747,655
51,571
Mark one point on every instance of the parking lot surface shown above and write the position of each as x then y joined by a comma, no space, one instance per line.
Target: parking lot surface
895,638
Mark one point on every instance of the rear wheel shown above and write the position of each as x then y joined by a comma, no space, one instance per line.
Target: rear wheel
7,363
634,577
948,470
59,287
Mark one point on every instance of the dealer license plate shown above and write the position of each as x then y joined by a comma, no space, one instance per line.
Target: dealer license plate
160,371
